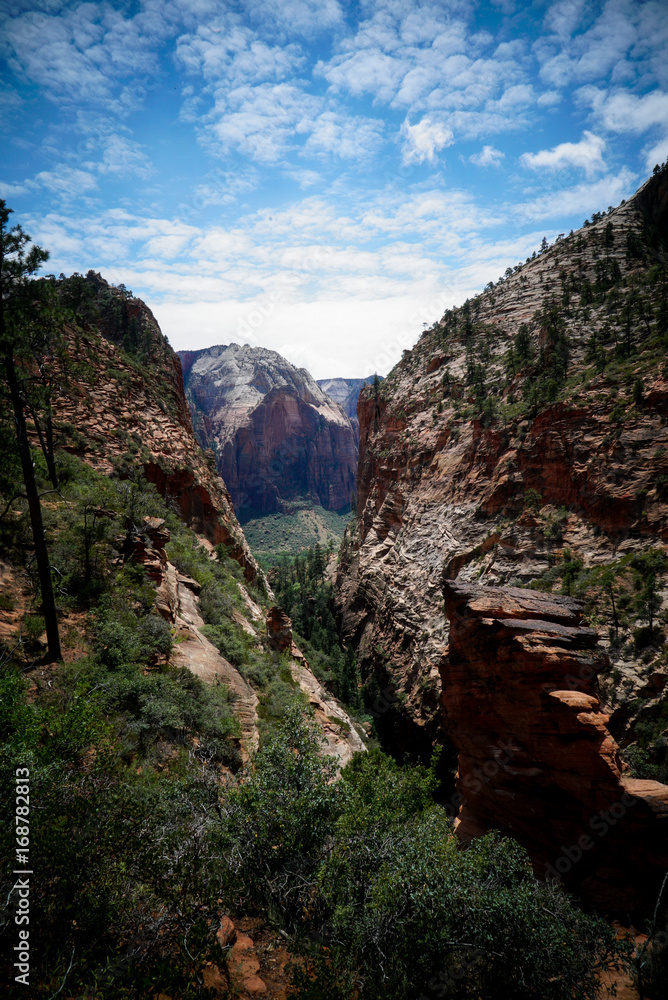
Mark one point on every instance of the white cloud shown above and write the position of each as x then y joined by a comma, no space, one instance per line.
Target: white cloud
549,98
67,182
12,190
656,154
348,137
303,17
83,53
487,157
586,154
424,140
624,112
582,199
123,156
262,121
620,40
229,53
304,177
423,57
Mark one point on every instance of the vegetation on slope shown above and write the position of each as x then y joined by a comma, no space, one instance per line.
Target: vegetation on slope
143,828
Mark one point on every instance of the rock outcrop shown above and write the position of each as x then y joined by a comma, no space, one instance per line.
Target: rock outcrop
483,454
276,435
122,405
279,630
536,759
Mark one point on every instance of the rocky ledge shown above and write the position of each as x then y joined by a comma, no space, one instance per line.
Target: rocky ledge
536,759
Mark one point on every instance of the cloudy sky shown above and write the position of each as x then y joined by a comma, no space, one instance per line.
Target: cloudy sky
321,177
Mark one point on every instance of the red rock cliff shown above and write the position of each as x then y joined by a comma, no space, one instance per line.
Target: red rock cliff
123,404
479,453
276,435
536,759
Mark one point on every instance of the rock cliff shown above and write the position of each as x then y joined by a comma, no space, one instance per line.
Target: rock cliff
536,759
276,435
122,404
524,438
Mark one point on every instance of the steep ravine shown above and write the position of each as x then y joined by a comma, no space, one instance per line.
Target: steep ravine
501,453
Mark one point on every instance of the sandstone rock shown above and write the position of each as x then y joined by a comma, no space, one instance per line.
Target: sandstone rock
226,934
342,741
438,486
535,757
279,630
277,436
244,965
96,420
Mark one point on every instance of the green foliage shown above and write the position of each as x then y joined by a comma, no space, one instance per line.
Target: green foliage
308,599
279,817
292,533
123,751
532,499
370,866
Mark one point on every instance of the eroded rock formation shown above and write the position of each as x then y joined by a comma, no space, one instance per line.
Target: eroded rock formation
118,410
279,630
276,435
536,759
497,484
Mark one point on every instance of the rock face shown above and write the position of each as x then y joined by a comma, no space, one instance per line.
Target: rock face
276,435
536,759
123,404
345,392
279,630
480,456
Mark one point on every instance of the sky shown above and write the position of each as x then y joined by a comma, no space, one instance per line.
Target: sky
319,177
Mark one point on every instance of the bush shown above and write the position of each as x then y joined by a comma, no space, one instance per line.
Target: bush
370,867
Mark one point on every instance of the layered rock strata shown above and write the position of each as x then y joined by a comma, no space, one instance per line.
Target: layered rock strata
536,759
442,481
276,435
118,411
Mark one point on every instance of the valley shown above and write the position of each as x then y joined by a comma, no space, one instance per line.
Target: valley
372,670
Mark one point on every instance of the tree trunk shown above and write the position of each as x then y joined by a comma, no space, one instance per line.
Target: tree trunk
46,444
43,567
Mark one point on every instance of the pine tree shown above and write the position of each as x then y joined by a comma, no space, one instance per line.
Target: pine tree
19,316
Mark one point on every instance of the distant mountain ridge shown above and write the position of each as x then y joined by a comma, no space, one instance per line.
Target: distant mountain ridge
345,392
278,436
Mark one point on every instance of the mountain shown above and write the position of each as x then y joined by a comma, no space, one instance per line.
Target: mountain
277,437
123,405
345,392
522,447
524,441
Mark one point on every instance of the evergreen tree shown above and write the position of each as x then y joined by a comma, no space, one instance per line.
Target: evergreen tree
20,335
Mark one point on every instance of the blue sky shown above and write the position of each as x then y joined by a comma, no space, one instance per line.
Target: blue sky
314,176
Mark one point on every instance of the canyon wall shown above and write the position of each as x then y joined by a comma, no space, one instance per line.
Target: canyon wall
536,759
276,435
122,404
526,430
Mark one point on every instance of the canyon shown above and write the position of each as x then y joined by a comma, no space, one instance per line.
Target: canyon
523,443
498,486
